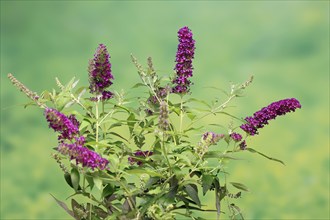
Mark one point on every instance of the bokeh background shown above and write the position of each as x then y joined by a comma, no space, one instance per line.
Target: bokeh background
284,44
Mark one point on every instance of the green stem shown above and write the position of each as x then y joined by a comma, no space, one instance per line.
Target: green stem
165,154
109,113
220,107
181,115
97,122
79,103
103,129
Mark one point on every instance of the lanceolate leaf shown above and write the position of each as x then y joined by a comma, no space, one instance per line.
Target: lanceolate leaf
98,183
207,181
108,191
218,154
217,196
269,158
64,206
143,171
75,177
239,186
237,212
192,192
90,181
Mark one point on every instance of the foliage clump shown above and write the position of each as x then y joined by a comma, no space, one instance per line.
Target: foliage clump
141,160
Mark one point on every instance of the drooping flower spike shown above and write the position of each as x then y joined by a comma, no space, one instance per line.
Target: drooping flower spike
261,117
184,56
163,123
83,155
68,127
100,76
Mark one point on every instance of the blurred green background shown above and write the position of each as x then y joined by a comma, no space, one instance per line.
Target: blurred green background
284,44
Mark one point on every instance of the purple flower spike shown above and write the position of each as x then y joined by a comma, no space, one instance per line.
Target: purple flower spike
106,95
83,155
184,56
141,154
242,145
236,137
261,117
66,126
100,76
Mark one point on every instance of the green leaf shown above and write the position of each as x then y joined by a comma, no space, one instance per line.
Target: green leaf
122,107
191,115
75,178
90,181
108,191
143,171
138,85
192,192
67,178
199,101
269,158
217,154
98,183
207,181
237,212
130,122
183,159
230,115
64,206
118,124
118,135
239,186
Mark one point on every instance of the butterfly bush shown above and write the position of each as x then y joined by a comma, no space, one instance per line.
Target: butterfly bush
148,154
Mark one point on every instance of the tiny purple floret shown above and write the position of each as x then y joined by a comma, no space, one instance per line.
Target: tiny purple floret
236,137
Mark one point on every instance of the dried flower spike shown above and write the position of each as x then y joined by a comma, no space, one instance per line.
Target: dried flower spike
32,95
100,76
184,56
163,116
261,117
212,138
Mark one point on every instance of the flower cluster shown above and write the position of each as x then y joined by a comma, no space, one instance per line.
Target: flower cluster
174,167
161,93
83,155
68,129
66,126
100,73
242,145
184,56
139,154
261,117
236,137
